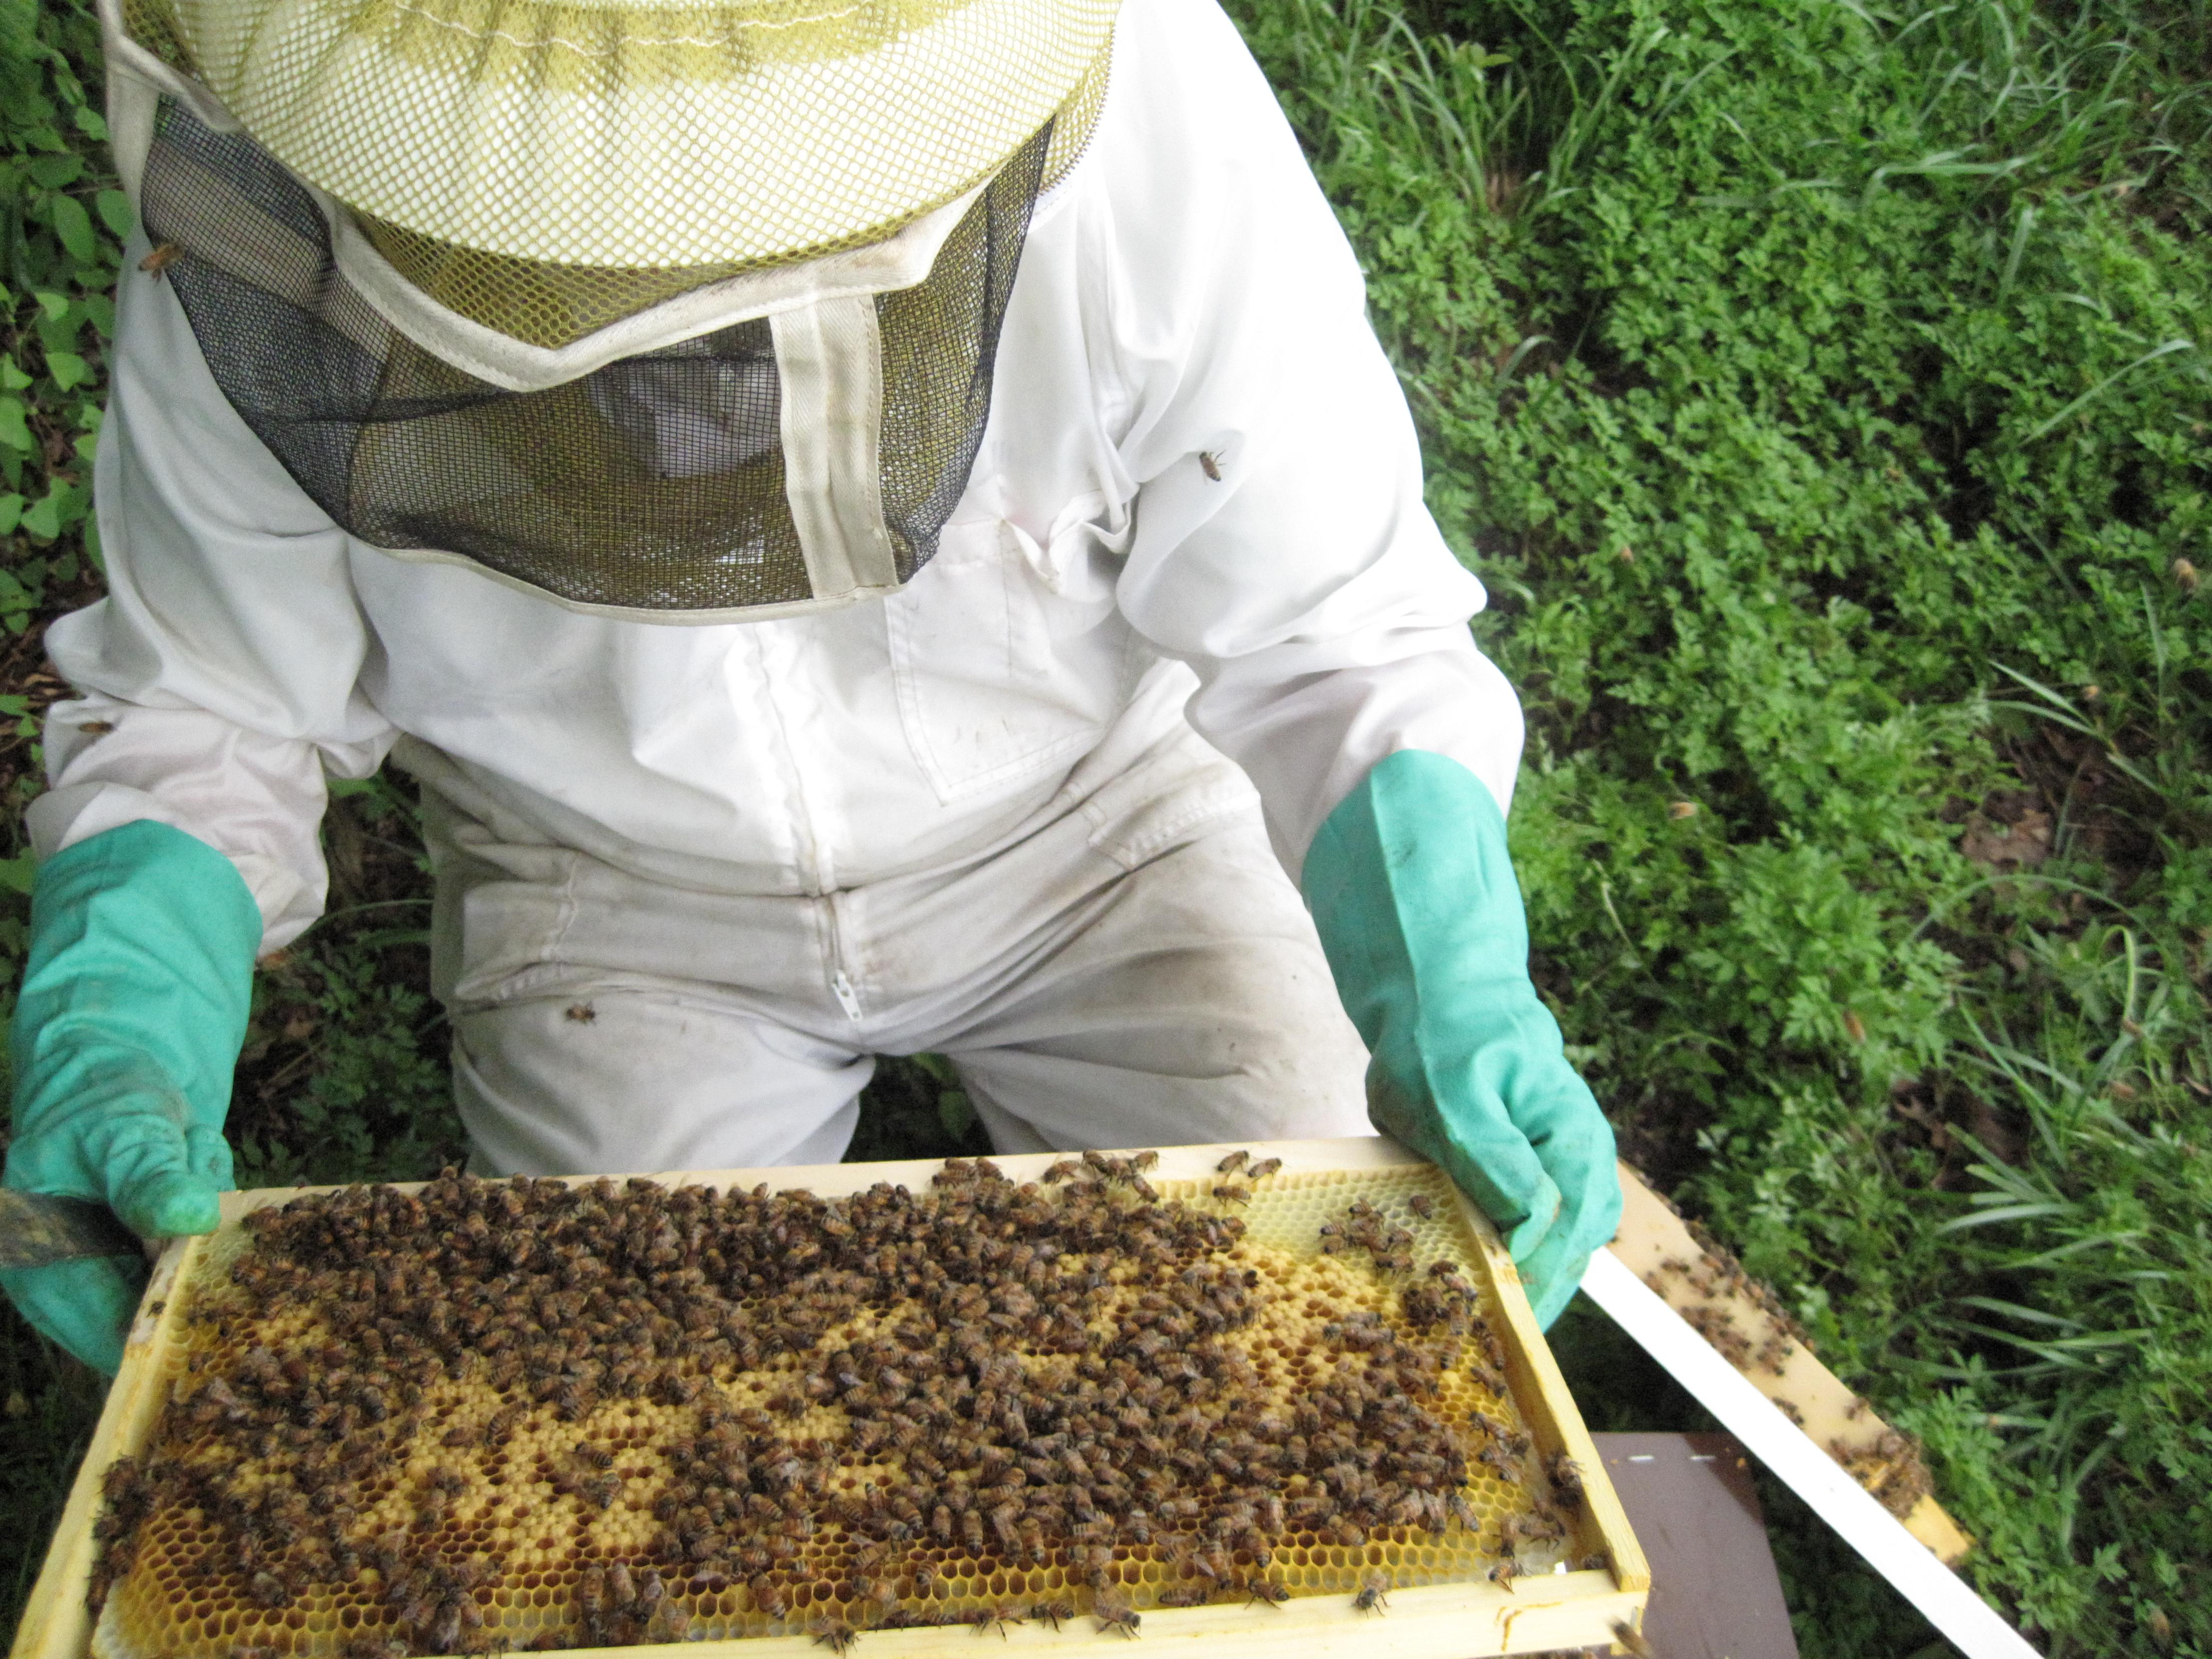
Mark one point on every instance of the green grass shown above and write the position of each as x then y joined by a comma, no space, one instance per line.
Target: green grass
1822,389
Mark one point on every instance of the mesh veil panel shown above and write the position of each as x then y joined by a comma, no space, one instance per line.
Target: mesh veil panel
547,305
655,483
623,136
941,343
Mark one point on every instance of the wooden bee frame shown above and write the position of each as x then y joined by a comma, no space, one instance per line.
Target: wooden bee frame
1533,1613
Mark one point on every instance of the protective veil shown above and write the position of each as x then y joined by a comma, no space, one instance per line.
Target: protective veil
539,290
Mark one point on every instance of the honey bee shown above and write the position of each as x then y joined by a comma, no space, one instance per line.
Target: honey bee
1566,1476
1140,1162
417,1610
580,1014
1374,1592
1507,1570
601,1491
1492,1349
1492,1380
1228,1192
1197,1596
445,1628
1051,1614
881,1593
672,1624
164,254
1112,1612
1422,1206
1516,1530
999,1617
1267,1590
1066,1169
1233,1162
1210,463
123,1482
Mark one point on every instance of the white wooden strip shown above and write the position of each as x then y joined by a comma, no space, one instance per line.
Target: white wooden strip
1946,1599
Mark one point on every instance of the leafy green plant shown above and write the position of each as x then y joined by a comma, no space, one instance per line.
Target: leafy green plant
914,1107
60,251
1822,393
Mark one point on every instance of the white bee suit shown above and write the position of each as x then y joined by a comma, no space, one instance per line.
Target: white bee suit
690,877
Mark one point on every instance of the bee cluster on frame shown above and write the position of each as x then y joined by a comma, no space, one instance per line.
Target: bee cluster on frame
532,1414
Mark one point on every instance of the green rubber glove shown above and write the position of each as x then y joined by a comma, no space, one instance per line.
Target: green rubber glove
133,1007
1414,894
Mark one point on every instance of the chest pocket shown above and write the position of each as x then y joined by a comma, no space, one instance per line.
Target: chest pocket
1010,658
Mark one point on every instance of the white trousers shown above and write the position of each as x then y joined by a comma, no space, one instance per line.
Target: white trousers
1129,966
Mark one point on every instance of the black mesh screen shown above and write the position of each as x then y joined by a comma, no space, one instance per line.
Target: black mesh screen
655,483
940,344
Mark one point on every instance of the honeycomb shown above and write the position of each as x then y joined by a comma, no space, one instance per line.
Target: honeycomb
532,1414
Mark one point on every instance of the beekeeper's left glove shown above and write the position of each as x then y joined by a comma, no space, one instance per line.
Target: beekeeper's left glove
1415,900
126,1035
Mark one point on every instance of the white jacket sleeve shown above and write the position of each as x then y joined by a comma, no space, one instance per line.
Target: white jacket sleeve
1307,585
218,678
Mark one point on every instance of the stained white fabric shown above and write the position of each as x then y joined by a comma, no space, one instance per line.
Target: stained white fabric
1126,966
1185,301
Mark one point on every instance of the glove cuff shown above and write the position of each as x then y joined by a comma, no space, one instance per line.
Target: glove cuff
141,969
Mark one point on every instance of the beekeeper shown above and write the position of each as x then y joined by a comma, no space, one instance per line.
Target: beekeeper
878,526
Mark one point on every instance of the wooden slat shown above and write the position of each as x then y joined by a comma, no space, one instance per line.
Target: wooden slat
55,1623
1549,1408
1656,1245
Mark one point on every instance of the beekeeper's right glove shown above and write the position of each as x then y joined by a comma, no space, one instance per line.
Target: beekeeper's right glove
126,1035
1413,895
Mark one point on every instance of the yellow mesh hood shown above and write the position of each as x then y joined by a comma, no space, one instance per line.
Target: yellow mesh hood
632,138
555,305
